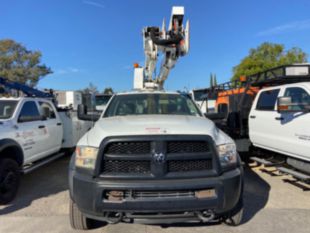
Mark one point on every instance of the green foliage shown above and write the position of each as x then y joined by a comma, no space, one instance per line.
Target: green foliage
19,64
108,91
267,56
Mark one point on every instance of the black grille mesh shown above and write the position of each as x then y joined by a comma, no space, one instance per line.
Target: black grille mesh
120,148
126,166
187,147
189,165
142,165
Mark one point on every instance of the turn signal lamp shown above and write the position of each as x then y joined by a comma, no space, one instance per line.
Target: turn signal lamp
283,107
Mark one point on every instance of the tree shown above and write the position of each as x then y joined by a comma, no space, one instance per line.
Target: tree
267,56
20,64
108,91
213,81
91,89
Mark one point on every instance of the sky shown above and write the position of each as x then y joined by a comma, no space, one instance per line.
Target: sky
98,41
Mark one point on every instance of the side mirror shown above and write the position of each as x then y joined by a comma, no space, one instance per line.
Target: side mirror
84,116
285,105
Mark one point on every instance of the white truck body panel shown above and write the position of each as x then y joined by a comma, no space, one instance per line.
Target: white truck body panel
42,138
37,139
68,99
153,125
289,136
138,82
74,128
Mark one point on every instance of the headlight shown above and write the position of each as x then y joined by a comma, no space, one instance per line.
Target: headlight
85,157
227,154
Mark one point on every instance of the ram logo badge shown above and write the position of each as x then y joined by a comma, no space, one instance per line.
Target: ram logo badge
159,158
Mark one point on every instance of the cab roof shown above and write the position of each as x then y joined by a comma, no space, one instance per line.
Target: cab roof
23,98
147,91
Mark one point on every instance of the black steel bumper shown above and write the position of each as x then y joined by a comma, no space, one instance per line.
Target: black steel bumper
88,194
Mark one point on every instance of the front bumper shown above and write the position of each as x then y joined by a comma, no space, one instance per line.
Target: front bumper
88,193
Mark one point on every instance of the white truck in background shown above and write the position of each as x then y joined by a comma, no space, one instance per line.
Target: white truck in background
102,101
279,121
68,99
33,132
206,105
268,114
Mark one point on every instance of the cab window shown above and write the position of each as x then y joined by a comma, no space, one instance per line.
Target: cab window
7,108
47,110
267,100
30,110
299,97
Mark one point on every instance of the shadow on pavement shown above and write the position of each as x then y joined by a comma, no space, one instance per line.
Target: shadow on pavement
256,194
43,182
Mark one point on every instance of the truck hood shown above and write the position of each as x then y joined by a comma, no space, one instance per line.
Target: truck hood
153,125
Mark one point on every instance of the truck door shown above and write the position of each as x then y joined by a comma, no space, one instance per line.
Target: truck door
30,131
262,123
293,127
53,127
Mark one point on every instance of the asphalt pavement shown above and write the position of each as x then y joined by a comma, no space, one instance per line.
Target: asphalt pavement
271,205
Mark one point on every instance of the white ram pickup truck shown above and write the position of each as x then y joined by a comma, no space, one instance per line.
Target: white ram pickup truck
279,121
32,133
153,157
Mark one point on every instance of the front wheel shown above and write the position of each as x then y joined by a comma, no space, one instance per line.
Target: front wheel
235,218
9,180
77,219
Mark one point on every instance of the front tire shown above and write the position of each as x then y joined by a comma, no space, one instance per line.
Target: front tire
9,180
78,220
235,217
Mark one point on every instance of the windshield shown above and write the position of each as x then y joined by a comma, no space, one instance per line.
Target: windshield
7,108
102,100
147,104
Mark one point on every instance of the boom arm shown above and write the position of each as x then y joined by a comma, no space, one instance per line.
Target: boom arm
28,91
172,43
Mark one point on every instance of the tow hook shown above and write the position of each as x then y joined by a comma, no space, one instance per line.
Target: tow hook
205,216
114,217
